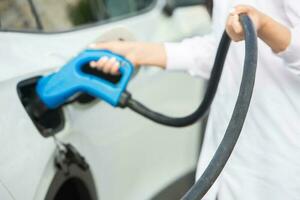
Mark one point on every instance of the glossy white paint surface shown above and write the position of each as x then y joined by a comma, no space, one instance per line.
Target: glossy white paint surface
130,157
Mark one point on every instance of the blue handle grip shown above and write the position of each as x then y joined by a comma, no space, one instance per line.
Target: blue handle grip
56,88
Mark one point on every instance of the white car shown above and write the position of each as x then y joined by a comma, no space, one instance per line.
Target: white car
125,155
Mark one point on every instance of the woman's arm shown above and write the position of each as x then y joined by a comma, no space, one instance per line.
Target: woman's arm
274,34
194,55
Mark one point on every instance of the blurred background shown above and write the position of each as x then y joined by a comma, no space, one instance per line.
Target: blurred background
61,15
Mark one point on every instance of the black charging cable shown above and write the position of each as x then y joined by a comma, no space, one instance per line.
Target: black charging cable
128,101
216,165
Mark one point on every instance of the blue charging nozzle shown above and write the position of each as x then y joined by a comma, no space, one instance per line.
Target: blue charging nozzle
55,89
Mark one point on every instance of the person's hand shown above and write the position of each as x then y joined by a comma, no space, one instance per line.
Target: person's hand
111,65
234,27
138,53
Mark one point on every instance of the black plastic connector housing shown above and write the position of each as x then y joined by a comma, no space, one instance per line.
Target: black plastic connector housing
47,121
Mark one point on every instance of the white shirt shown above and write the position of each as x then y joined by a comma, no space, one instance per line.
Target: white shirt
265,164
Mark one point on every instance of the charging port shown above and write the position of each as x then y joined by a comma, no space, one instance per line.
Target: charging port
47,121
51,121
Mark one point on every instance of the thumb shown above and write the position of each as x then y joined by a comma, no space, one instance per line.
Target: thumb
237,27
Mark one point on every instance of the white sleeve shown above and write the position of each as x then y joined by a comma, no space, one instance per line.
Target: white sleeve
194,55
291,55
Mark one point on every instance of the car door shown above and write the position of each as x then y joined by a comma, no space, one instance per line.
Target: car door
4,193
129,157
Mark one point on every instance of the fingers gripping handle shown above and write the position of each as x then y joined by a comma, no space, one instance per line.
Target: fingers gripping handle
56,88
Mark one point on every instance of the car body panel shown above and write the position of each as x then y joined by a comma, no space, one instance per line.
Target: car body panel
130,157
